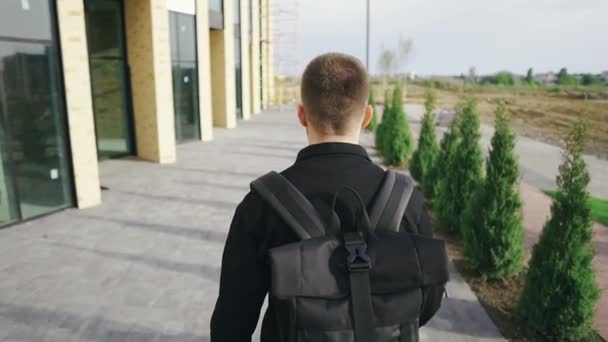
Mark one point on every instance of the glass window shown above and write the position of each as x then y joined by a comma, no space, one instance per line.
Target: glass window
238,78
216,6
236,10
8,211
104,29
185,76
33,135
186,33
109,77
25,19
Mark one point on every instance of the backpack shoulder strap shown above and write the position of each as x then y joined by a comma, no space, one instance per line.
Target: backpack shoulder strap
392,199
290,204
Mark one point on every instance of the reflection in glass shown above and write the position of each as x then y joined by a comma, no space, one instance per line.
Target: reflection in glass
25,19
236,11
185,97
216,5
8,211
185,76
104,28
109,104
108,67
186,35
33,116
239,78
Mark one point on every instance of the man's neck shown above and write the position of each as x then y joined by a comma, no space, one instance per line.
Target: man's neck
312,139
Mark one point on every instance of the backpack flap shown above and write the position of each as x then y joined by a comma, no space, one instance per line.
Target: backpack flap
317,267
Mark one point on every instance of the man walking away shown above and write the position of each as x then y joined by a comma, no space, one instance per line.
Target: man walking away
334,272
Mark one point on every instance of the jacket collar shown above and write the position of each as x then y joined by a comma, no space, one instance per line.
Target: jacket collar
332,148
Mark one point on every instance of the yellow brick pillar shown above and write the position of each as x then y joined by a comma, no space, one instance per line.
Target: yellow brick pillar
264,51
204,69
222,71
256,90
245,58
81,122
270,54
149,56
267,54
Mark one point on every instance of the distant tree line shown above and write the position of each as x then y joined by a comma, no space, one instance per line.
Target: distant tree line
563,77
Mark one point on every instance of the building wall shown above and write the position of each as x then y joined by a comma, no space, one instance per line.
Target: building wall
81,122
245,59
270,59
149,56
267,54
204,69
254,54
222,71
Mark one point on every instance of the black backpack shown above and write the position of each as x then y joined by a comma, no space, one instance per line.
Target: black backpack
364,285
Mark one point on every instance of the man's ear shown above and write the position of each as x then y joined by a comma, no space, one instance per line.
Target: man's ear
302,116
369,113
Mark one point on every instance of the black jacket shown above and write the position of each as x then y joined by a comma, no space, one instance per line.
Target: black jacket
319,171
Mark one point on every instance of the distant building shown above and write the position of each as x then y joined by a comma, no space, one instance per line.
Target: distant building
411,75
549,77
604,75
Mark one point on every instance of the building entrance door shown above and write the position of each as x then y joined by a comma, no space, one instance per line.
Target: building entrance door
109,78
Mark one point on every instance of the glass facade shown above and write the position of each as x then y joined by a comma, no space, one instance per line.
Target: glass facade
109,77
216,6
35,176
237,58
185,76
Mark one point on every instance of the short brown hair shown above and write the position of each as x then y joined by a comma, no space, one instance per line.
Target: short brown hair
334,90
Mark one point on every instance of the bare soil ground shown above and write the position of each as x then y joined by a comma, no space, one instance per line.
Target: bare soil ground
537,114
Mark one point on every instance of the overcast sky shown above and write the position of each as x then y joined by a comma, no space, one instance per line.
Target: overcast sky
452,35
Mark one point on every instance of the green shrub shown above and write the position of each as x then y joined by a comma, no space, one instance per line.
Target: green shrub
505,79
398,137
564,78
447,150
380,137
492,223
373,124
560,293
423,160
463,171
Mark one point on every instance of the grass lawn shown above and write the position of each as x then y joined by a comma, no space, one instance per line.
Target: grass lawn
599,208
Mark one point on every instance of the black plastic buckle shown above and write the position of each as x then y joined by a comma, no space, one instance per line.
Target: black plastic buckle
358,260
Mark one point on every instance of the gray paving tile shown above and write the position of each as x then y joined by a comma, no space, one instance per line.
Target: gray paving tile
144,265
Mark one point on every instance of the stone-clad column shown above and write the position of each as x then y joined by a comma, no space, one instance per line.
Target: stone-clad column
256,105
204,69
245,59
79,103
149,57
223,87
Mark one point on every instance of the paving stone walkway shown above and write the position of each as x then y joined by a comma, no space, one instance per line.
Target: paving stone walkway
144,266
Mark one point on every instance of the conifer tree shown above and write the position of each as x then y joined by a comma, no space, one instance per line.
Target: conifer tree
560,293
381,130
398,137
373,124
492,224
464,169
423,159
